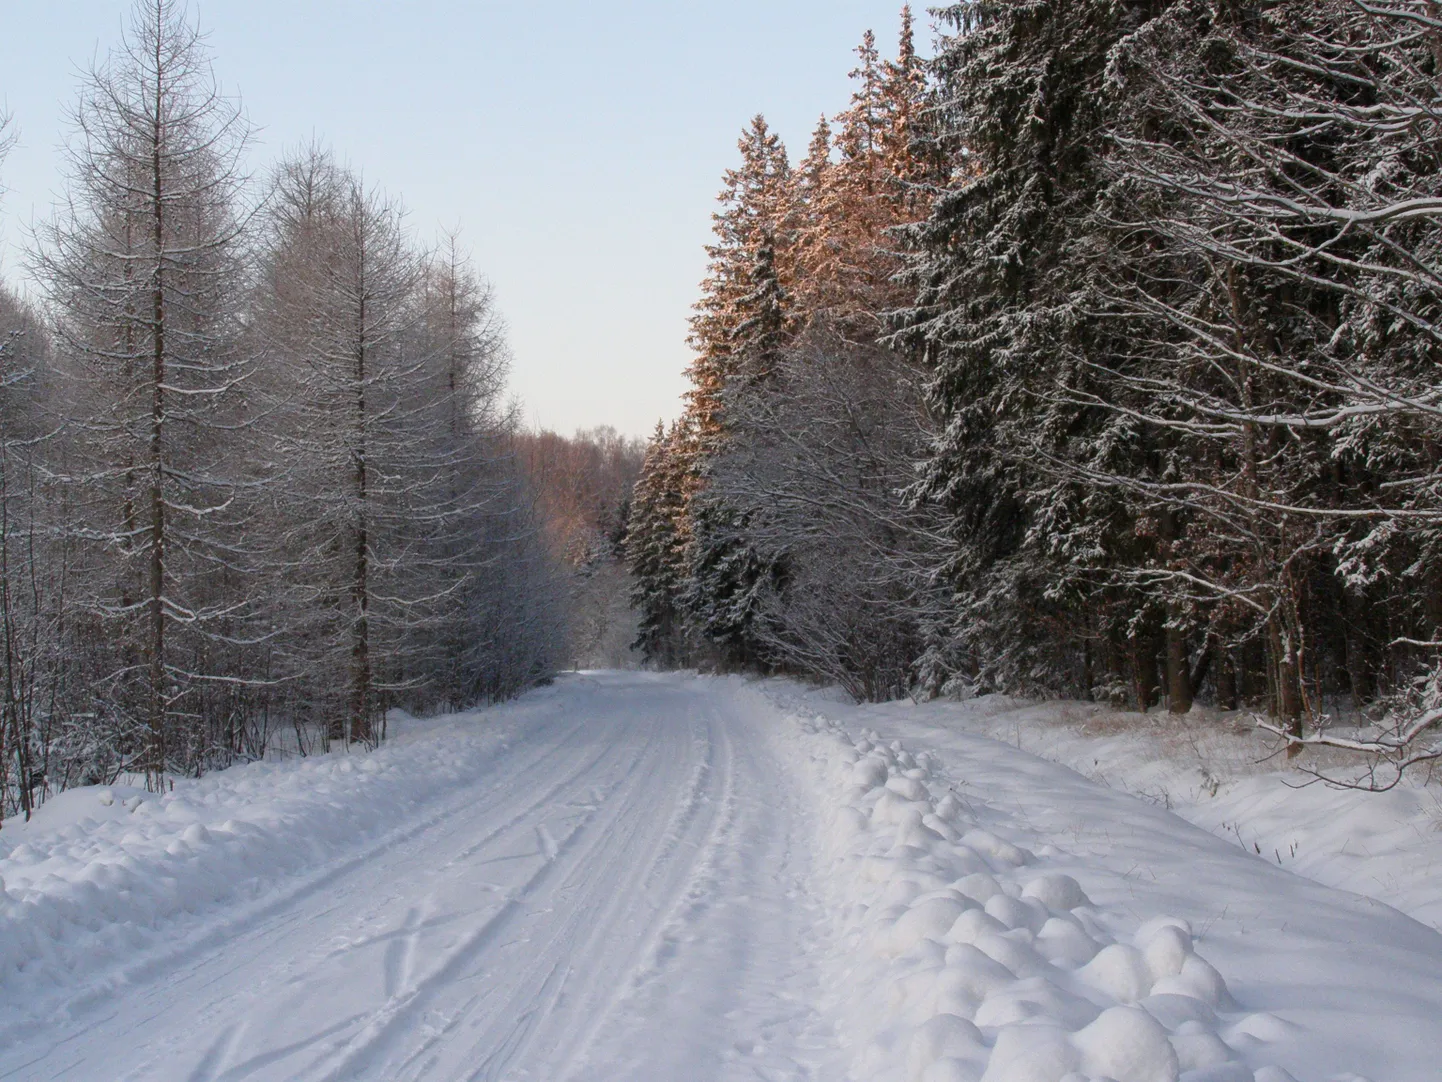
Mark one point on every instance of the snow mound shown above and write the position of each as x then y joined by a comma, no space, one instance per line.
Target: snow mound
965,960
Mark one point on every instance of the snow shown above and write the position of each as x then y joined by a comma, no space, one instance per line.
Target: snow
655,877
1104,937
966,955
1216,771
607,879
101,876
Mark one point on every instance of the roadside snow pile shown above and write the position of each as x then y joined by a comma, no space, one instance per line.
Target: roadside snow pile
94,878
969,962
1215,771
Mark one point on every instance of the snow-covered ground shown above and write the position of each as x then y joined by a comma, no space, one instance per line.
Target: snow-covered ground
604,880
643,877
1298,977
1219,772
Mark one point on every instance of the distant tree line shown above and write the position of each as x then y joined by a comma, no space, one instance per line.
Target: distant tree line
1096,356
582,489
258,478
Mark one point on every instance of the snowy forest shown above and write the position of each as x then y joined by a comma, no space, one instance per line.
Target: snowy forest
260,480
1016,656
1095,357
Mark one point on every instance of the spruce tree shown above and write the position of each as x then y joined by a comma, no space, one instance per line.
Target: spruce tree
740,322
657,535
755,214
1003,314
1275,178
884,174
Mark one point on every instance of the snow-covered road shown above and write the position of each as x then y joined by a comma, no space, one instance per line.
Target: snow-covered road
664,878
621,880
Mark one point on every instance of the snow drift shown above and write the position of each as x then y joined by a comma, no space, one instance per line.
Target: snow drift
966,960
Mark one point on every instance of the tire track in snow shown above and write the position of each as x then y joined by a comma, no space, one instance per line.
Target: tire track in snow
596,920
282,908
654,952
215,932
495,934
387,1025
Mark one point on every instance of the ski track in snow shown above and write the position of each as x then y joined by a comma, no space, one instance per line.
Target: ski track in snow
670,879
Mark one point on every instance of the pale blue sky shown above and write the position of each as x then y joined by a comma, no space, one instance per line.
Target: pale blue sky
579,145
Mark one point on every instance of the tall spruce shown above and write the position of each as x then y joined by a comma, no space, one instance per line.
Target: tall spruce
740,323
657,543
1279,169
885,169
1003,315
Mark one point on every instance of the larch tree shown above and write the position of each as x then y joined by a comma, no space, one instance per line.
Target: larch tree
28,596
338,307
256,484
144,268
409,556
479,577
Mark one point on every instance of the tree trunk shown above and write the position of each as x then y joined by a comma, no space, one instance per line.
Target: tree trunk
1286,679
1179,682
155,769
1253,684
360,704
1359,663
1144,671
1227,680
1204,664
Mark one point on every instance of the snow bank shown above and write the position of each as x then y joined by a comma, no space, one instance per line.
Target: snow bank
101,874
1215,771
967,960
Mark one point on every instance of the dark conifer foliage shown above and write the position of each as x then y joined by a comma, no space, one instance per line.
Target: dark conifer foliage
657,539
738,329
1107,366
